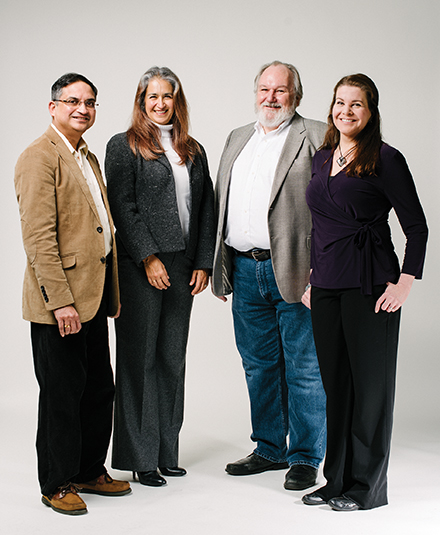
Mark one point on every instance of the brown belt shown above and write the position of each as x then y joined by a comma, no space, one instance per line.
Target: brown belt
257,254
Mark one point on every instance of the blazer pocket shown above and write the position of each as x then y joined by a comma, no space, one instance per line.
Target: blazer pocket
68,261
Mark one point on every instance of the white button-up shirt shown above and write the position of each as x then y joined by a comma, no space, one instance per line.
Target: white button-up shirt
252,177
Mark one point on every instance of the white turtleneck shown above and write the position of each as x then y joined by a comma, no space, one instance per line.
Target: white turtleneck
181,177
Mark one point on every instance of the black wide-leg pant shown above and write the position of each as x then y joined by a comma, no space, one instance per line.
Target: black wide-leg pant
357,352
151,339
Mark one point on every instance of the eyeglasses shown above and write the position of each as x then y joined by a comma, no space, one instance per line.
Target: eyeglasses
75,103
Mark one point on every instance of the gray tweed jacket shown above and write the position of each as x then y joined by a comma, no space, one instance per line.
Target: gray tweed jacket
288,216
143,203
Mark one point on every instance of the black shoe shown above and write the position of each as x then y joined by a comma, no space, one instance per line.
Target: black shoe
253,464
313,499
300,477
174,471
151,478
343,504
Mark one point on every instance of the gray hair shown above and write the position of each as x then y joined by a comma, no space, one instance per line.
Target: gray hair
159,72
294,75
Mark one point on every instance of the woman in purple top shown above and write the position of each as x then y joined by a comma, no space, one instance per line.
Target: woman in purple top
358,289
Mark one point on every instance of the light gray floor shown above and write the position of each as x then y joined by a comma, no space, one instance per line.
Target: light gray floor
216,431
207,500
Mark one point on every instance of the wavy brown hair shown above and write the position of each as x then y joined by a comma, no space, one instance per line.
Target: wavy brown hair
369,140
144,135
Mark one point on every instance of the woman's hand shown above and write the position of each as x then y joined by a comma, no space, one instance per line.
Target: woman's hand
118,313
156,273
307,295
199,280
305,299
395,294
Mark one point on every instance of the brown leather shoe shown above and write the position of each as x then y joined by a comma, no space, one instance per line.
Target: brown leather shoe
66,501
104,485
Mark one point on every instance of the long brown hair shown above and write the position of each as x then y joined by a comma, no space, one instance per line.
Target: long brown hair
369,140
144,135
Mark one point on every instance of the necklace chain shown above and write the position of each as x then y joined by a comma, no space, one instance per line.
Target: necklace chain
342,160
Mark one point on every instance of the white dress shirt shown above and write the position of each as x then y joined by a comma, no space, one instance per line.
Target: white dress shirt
80,156
252,177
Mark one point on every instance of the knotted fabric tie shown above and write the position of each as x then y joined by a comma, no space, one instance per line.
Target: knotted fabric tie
363,240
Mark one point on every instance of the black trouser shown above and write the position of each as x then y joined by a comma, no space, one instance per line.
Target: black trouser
75,403
357,351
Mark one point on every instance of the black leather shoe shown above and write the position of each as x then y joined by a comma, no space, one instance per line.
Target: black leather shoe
343,504
313,499
300,477
253,464
151,478
174,471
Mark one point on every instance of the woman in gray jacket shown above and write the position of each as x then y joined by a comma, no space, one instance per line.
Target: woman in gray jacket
161,198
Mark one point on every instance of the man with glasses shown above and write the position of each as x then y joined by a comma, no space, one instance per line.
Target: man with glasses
70,287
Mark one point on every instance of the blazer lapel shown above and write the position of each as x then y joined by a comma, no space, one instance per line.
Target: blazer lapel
232,154
97,172
189,166
164,161
292,146
73,167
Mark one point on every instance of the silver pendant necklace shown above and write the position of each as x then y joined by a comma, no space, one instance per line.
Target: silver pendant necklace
342,160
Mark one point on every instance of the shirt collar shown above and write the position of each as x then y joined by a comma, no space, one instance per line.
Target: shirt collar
285,124
165,129
82,146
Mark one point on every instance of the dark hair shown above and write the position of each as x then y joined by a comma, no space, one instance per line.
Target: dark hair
369,140
294,77
144,135
68,79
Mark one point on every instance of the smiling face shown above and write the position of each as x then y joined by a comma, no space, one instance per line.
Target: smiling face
70,121
350,111
275,98
159,101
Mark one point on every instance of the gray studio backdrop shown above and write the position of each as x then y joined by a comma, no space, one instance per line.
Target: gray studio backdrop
216,48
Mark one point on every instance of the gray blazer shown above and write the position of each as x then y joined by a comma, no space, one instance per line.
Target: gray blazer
142,197
289,218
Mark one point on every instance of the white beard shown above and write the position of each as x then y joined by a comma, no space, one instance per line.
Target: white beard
275,119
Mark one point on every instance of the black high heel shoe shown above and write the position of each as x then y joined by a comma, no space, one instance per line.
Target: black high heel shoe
173,471
152,478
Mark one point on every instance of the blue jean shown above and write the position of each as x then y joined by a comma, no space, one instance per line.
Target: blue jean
275,341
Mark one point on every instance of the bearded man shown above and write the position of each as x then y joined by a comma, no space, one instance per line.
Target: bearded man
263,257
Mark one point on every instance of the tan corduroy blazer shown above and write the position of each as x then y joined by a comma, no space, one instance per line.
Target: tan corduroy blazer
62,234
